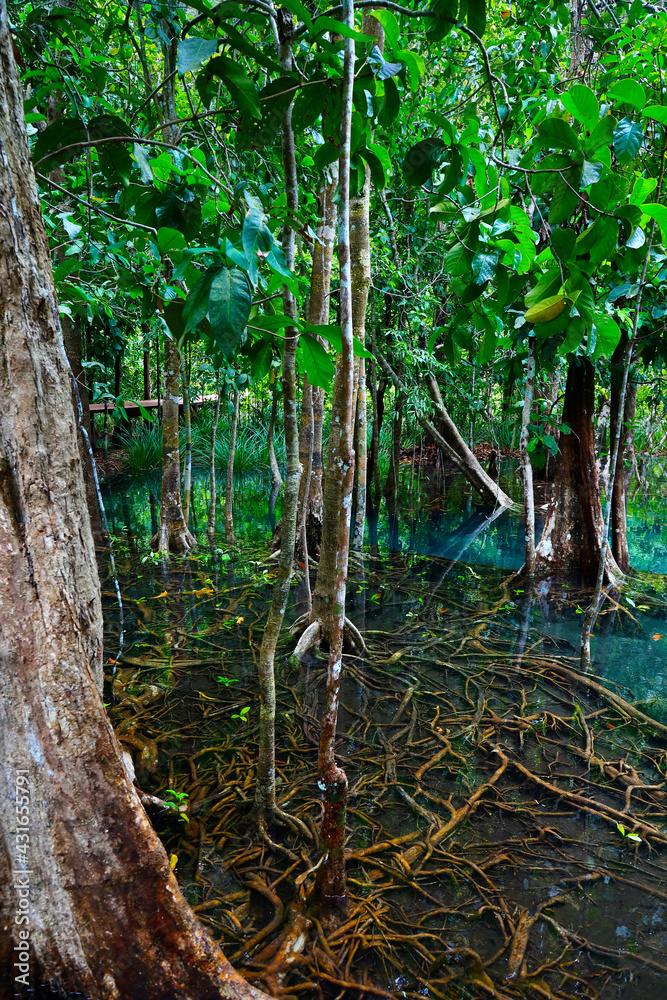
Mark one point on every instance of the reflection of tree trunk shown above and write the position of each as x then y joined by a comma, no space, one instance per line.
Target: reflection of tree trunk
107,918
377,390
229,491
570,541
391,484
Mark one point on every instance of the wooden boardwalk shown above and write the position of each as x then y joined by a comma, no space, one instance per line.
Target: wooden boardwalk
132,407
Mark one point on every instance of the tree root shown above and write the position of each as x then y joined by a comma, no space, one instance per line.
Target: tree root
310,633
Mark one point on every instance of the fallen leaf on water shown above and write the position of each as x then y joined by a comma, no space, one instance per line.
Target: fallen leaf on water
163,594
173,861
657,636
239,620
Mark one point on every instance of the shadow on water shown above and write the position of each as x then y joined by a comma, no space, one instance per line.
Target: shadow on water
492,790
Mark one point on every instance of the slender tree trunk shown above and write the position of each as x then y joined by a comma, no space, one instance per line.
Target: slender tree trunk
105,916
210,530
265,793
187,425
229,490
571,538
173,535
145,327
276,478
340,463
312,405
528,496
117,373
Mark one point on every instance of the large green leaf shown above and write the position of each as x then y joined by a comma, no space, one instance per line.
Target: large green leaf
576,331
382,68
54,138
601,135
196,304
391,104
657,113
628,92
315,361
659,213
628,137
275,99
229,307
565,197
608,335
582,104
256,238
192,52
241,88
439,28
421,161
477,16
554,133
484,267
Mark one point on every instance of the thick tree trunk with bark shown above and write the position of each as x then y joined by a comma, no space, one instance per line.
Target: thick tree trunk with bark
187,425
105,916
528,496
571,538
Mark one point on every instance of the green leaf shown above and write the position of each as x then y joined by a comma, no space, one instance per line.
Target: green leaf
241,88
628,137
582,104
192,52
657,113
51,141
378,160
324,23
391,104
382,68
546,310
415,65
300,10
333,336
576,331
628,92
421,161
554,133
315,361
477,16
643,187
196,304
169,239
601,135
659,213
485,352
565,197
562,243
440,28
229,307
590,174
275,99
608,335
390,25
256,237
484,267
547,285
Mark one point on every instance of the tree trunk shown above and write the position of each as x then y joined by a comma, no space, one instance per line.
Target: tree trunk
145,327
340,466
276,478
229,490
94,904
312,406
187,425
265,791
528,496
619,528
570,540
210,529
173,535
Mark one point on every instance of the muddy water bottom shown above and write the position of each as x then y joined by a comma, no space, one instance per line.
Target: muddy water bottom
487,790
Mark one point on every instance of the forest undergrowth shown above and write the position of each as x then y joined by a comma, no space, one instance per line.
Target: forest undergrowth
506,829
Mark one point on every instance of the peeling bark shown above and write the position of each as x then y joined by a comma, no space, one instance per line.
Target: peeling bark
106,917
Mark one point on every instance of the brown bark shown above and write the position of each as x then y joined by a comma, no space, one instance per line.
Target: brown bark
147,360
276,478
105,915
570,540
528,496
187,426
